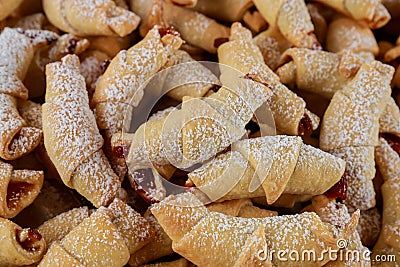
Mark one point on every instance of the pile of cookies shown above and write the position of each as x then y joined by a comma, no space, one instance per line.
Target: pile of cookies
81,186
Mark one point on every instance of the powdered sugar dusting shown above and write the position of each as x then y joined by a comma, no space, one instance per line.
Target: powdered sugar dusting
294,22
76,136
102,17
242,54
389,121
354,36
95,180
280,162
72,138
360,165
198,21
369,226
135,229
97,242
202,243
161,114
16,139
217,121
351,125
58,227
124,79
315,71
31,112
195,82
387,160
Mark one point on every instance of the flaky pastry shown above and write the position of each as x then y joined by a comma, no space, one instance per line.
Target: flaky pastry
349,34
197,131
71,136
373,12
350,129
288,109
122,86
59,226
160,246
198,81
319,72
279,164
369,226
17,48
194,27
193,230
292,19
19,246
35,79
106,238
338,215
271,44
102,17
18,189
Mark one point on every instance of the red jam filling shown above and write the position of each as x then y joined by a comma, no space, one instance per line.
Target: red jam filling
16,191
305,126
119,151
339,190
168,30
31,239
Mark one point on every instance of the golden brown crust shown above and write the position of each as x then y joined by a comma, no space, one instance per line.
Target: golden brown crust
121,87
372,12
159,247
348,34
19,246
105,238
245,172
241,54
292,19
71,136
225,10
18,189
103,17
193,229
55,229
337,214
18,48
360,103
94,242
194,27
